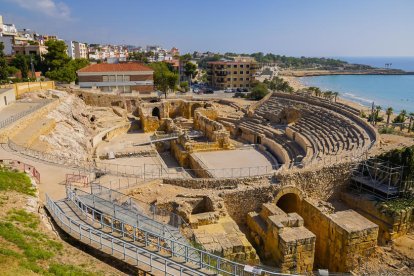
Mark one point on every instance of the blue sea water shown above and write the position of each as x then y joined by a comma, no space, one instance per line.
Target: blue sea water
396,91
403,63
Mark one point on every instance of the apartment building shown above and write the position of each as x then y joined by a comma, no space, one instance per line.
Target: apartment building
76,49
237,73
119,77
27,49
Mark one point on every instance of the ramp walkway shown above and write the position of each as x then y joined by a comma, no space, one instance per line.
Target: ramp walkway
156,253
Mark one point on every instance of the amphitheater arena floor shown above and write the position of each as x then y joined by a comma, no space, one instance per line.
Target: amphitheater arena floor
234,159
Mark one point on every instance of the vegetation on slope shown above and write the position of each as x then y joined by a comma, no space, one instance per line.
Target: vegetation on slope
25,248
15,181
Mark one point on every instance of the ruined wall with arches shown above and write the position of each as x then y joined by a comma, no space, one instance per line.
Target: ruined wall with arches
293,227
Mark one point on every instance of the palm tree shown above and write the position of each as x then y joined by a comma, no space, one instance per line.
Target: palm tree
335,94
411,121
402,115
388,112
377,110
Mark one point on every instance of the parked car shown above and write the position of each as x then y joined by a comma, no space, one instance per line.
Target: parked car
209,91
245,90
196,90
239,90
228,90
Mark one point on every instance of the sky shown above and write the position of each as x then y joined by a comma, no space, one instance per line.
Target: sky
286,27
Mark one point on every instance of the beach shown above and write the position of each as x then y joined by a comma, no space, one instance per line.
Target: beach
296,84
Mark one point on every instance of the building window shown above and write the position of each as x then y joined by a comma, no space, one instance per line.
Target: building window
247,72
105,78
241,72
241,85
127,89
241,65
127,78
241,79
247,66
228,66
112,78
247,85
234,79
228,79
235,66
235,72
247,79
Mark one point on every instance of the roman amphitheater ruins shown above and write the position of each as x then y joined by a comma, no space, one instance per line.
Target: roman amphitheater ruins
203,186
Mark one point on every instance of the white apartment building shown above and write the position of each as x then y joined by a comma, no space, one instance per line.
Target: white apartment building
7,34
76,49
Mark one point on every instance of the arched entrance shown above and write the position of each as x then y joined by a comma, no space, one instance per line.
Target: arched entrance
156,112
289,203
289,199
239,132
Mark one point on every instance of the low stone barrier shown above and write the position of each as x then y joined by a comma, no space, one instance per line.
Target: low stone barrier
110,133
213,183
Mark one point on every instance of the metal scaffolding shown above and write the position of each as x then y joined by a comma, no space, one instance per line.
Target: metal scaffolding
379,178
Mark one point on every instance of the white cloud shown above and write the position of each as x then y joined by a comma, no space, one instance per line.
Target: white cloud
48,7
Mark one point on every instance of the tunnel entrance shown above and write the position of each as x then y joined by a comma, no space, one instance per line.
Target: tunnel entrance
289,203
156,112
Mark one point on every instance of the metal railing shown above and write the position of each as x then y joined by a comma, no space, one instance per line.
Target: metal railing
20,115
133,204
201,258
117,246
156,171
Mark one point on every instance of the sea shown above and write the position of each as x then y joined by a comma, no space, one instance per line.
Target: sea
396,91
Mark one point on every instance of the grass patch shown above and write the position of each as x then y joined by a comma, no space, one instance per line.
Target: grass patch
21,229
15,181
27,219
68,270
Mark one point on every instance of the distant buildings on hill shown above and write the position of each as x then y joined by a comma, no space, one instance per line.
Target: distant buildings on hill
28,42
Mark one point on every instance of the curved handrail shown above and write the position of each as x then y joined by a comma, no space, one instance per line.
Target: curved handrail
77,227
206,260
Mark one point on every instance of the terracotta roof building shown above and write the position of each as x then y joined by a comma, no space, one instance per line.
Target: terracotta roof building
120,77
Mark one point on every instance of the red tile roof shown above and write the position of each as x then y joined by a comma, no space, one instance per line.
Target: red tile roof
116,67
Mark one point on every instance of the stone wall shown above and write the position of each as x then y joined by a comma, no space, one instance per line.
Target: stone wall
281,239
239,203
341,237
105,99
110,133
392,224
217,184
205,121
324,183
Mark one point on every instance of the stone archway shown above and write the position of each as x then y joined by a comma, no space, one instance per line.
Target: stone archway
239,133
156,112
289,199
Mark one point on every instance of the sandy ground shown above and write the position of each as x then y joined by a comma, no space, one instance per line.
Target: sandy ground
235,162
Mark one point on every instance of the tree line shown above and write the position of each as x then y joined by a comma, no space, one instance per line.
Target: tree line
55,64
